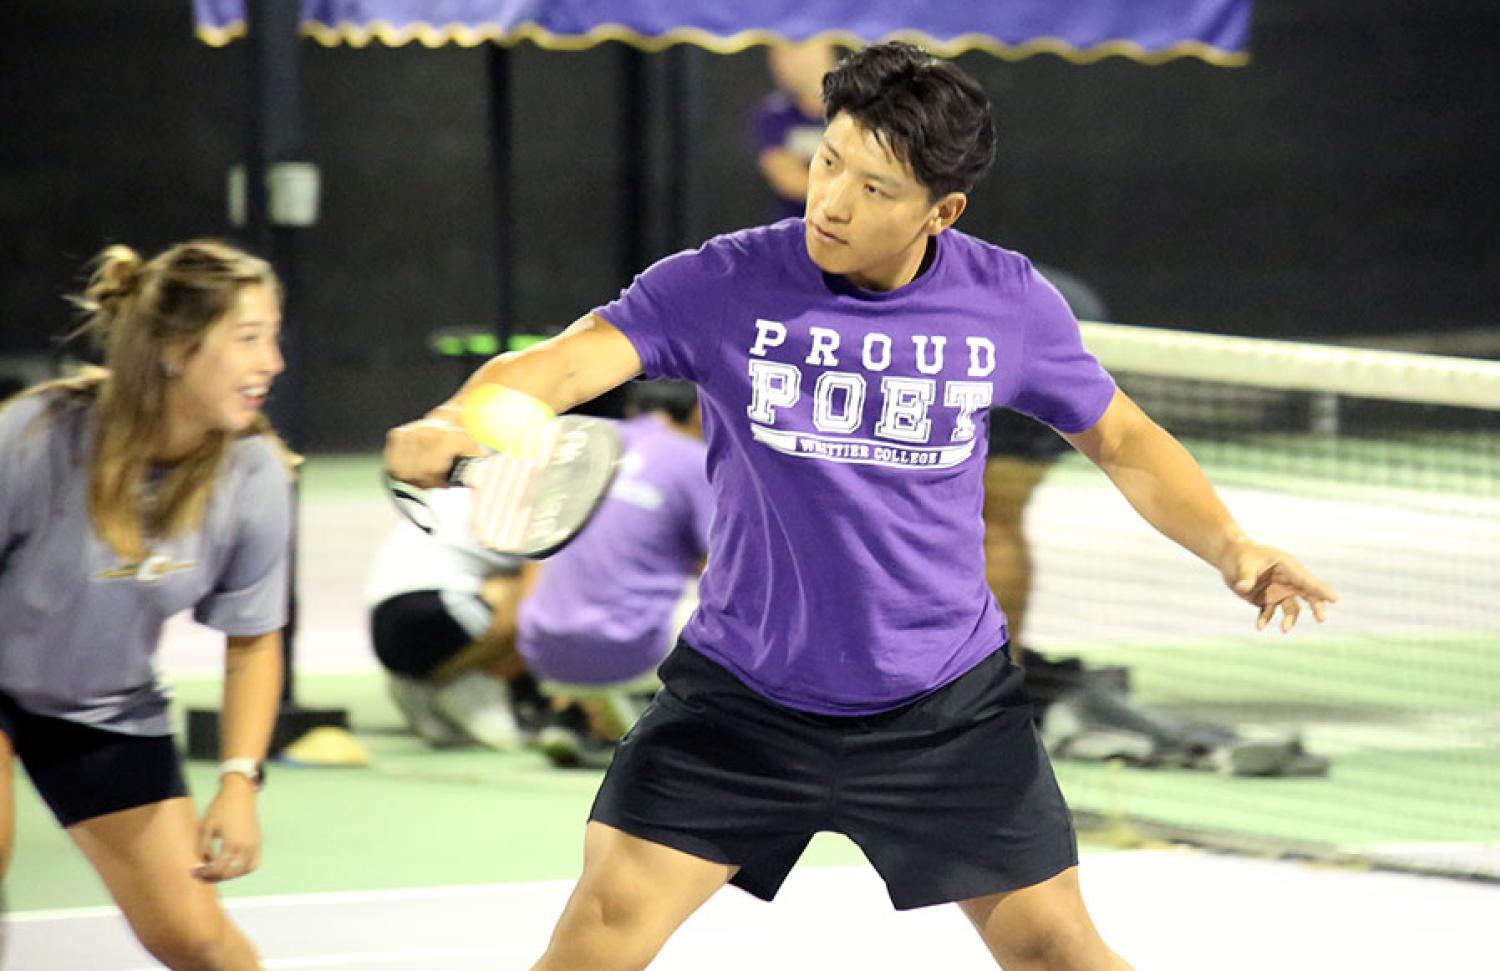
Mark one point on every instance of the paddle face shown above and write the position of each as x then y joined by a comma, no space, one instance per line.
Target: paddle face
530,504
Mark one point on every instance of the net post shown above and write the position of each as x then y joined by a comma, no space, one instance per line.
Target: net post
274,213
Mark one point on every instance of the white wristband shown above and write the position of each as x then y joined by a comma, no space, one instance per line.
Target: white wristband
249,768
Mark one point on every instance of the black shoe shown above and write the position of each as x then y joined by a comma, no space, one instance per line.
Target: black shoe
533,710
569,742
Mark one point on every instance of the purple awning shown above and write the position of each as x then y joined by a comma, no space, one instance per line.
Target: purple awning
1152,31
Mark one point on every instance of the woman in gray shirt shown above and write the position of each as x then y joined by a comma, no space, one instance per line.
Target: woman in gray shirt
128,494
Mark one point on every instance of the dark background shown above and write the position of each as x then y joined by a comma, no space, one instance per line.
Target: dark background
1345,185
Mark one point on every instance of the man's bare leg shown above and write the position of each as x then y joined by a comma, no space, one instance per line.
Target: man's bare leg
1044,927
632,896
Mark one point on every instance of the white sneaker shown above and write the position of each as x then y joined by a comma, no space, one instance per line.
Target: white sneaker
414,699
480,706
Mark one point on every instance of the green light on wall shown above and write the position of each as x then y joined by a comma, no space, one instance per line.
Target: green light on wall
476,343
483,345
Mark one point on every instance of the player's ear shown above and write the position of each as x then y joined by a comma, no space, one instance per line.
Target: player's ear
945,212
172,361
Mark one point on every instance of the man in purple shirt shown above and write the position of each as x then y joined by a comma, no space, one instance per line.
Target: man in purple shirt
847,667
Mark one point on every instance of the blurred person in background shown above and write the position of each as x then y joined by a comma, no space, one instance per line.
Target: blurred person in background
482,647
1021,451
442,624
128,494
787,124
601,614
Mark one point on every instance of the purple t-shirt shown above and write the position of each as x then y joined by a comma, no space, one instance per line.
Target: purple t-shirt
847,574
602,611
779,123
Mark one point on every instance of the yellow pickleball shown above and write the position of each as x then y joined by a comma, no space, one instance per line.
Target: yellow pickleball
504,419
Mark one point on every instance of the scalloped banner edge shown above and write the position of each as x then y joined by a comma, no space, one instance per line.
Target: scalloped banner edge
348,33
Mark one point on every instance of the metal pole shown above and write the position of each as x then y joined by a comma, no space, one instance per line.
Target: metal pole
275,135
634,168
502,177
685,109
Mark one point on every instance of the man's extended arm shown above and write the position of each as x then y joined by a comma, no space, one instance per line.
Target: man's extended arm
1166,486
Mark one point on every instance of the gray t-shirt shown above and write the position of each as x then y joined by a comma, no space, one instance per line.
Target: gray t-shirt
78,625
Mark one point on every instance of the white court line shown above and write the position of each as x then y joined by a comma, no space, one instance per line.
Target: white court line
365,959
398,895
1170,910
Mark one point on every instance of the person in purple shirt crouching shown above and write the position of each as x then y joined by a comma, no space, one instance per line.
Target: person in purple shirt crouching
600,615
847,667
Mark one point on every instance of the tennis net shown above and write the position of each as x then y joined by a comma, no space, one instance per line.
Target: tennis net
1381,472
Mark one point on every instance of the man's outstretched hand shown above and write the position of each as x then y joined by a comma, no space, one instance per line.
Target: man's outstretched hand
1272,580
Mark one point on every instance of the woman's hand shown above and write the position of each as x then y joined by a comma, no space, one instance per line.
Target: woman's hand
229,836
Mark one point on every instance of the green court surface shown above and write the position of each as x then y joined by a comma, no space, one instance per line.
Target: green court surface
416,817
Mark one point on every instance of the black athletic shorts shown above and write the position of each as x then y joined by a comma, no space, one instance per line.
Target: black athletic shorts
950,796
413,633
1014,435
82,772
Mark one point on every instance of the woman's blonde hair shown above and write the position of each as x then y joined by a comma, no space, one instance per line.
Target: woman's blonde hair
137,311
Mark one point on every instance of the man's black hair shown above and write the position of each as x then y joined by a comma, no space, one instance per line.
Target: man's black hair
676,398
927,111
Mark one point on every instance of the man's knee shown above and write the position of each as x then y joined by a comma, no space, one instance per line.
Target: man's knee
633,894
1063,942
1033,950
604,928
1045,927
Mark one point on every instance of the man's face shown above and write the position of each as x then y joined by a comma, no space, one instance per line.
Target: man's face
868,218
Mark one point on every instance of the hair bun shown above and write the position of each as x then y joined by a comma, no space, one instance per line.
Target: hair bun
117,272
